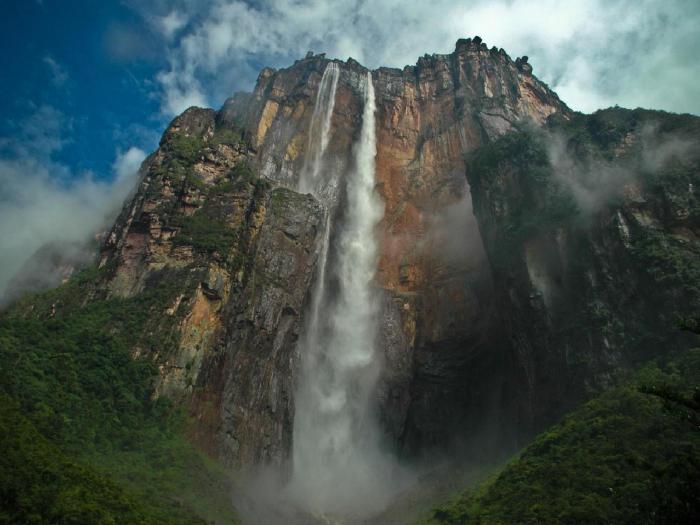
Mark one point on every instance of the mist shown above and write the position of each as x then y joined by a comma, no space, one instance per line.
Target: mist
594,181
42,203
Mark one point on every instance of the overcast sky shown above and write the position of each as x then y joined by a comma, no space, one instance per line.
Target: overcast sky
88,86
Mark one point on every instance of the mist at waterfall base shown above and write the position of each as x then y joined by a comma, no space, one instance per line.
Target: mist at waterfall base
340,468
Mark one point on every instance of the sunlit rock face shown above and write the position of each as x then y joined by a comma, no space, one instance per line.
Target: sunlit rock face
238,255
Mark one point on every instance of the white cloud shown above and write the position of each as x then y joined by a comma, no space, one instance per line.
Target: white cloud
59,76
127,163
42,201
171,23
595,53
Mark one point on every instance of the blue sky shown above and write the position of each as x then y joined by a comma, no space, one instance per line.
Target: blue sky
97,62
88,86
64,55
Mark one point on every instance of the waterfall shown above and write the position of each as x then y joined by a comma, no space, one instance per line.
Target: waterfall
337,460
323,189
318,133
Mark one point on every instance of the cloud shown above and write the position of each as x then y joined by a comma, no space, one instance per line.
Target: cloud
171,23
127,163
645,58
59,76
43,202
594,180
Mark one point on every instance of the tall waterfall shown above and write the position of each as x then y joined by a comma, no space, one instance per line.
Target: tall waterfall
309,181
337,460
323,188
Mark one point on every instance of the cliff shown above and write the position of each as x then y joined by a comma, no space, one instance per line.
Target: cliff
216,215
591,228
238,256
438,291
507,296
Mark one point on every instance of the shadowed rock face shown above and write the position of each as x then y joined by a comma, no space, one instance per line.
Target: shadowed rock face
591,226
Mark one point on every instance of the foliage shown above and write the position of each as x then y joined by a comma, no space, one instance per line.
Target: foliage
543,203
206,234
186,147
238,178
83,441
40,484
243,172
281,197
228,136
670,261
624,457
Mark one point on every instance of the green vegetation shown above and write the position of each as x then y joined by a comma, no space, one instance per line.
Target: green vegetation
206,234
238,178
83,441
228,136
243,172
40,484
669,261
279,197
543,203
186,148
606,129
632,455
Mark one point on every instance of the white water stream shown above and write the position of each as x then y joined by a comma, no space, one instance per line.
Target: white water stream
338,465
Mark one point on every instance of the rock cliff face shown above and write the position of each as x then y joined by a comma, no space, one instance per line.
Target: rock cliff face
591,226
486,335
438,290
239,257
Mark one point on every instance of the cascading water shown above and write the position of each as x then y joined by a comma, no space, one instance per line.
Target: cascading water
338,465
323,188
309,181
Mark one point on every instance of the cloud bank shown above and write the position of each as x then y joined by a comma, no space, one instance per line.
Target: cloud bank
594,53
42,201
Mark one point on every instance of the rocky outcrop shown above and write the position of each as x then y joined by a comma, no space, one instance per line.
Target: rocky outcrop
238,256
